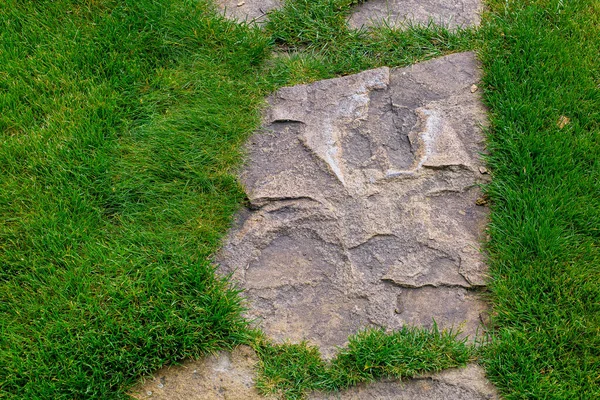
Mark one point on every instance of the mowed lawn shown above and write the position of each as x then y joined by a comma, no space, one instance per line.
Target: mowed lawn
542,78
121,124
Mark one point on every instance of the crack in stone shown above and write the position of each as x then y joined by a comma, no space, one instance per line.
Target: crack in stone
261,202
287,121
426,285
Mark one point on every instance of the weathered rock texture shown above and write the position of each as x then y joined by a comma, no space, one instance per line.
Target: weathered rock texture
395,12
249,10
363,193
224,376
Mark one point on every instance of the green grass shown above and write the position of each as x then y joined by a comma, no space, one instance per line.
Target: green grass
293,370
121,126
121,123
120,131
314,42
542,62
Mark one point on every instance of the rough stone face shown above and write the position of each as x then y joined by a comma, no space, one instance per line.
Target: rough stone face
395,12
455,384
363,195
248,10
224,376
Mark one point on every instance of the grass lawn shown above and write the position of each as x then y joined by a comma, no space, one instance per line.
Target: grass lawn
120,123
542,84
120,131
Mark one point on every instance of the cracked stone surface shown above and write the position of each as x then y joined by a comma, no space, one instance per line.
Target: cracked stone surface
451,13
248,10
363,195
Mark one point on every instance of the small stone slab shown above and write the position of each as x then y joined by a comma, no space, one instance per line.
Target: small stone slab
364,205
467,383
223,376
451,13
248,10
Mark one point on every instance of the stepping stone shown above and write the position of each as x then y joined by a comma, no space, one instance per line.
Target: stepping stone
364,193
223,376
450,13
467,383
248,10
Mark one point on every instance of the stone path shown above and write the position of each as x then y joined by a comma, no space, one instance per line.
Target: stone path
365,211
229,376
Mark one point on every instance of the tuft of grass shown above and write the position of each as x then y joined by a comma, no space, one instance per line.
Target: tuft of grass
303,23
290,370
542,87
314,42
293,370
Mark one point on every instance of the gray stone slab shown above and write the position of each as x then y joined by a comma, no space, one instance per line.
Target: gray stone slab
450,13
455,384
248,10
363,193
